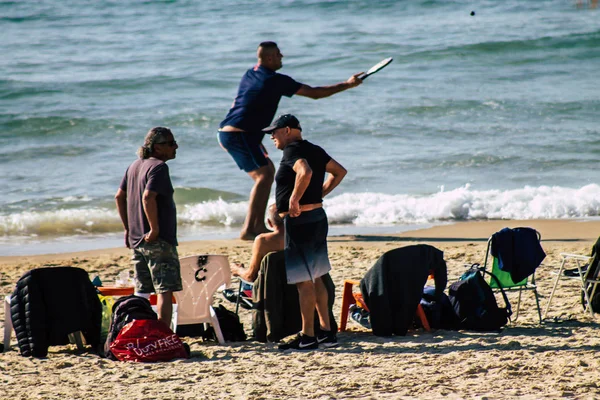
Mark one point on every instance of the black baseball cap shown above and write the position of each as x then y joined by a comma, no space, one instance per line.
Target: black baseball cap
283,121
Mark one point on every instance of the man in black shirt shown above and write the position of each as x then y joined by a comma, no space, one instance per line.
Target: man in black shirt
300,188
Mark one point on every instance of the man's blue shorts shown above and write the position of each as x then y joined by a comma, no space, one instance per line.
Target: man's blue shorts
245,148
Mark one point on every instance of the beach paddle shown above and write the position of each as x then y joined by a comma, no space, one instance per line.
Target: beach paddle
377,67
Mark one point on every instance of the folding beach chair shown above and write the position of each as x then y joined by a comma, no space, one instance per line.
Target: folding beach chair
244,295
521,247
586,273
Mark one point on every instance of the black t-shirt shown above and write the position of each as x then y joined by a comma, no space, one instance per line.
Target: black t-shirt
285,178
153,175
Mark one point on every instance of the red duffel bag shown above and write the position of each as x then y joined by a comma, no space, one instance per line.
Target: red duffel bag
146,340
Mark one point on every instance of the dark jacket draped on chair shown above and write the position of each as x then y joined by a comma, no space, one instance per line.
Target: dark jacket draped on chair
50,303
276,312
518,251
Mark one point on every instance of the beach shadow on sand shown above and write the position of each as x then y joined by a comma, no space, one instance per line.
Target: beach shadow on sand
443,342
437,342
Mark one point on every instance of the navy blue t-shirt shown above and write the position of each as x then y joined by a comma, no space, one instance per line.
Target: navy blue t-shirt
153,175
258,98
285,178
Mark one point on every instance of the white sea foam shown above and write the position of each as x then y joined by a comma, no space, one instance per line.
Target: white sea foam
359,209
214,212
60,222
465,204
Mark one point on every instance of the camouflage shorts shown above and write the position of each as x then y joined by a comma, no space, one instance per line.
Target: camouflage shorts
156,267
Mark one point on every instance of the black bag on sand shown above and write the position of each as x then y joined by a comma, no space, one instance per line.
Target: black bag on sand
595,301
439,310
231,327
125,310
475,304
194,330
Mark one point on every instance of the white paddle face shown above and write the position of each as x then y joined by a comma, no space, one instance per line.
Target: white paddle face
377,67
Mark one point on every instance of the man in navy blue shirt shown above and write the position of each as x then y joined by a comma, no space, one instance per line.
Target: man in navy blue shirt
253,109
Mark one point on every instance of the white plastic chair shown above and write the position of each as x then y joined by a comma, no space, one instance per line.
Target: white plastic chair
201,276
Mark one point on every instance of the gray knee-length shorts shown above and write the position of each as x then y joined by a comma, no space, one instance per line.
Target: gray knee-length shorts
306,257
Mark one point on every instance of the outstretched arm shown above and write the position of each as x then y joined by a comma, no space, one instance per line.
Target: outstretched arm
320,92
336,174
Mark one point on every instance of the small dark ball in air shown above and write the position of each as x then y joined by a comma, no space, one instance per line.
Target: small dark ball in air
472,13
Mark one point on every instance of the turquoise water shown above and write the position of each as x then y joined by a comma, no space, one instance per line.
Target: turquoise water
488,116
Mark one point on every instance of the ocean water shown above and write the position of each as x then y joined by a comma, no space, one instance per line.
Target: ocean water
485,116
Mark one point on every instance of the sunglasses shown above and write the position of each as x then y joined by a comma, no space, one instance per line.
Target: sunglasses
171,143
275,130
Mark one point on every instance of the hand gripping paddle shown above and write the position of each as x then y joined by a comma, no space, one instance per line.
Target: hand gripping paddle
377,67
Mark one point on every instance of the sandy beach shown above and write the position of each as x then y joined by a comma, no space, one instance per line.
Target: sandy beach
554,360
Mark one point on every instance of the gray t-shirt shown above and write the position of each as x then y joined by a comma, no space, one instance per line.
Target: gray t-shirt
153,175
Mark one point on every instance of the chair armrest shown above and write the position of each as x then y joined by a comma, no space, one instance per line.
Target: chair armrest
575,256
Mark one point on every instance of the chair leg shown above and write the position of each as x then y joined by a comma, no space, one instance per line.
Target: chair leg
588,297
237,301
518,305
347,301
8,326
537,302
560,271
77,338
215,323
423,318
174,318
592,296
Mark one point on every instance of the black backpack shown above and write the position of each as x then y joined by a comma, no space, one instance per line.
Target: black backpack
475,304
594,300
439,310
125,310
231,327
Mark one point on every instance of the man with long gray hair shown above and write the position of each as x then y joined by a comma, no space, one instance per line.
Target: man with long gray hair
147,209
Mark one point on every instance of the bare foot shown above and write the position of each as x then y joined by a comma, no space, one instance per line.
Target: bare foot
236,268
241,271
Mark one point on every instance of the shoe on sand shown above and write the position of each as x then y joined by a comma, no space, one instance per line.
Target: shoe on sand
301,342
